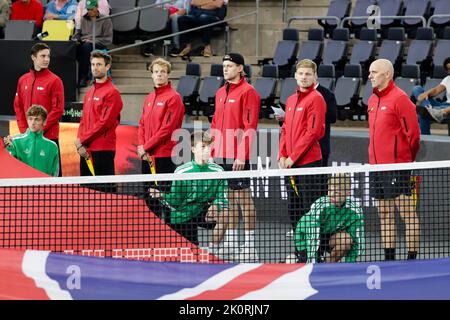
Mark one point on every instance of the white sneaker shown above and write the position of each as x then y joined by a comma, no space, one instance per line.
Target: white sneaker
291,258
437,114
290,234
247,254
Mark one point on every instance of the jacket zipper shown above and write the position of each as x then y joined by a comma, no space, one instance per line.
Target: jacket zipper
168,118
404,121
32,89
374,124
395,147
293,117
227,89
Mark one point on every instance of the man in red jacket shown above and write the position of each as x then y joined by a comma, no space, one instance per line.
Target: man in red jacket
394,138
233,128
42,87
101,116
303,127
28,10
162,114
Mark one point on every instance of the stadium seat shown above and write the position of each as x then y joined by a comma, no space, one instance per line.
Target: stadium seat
440,7
208,90
409,78
442,49
367,92
347,92
415,8
335,51
58,30
389,8
326,76
363,51
420,50
20,29
312,48
152,19
125,23
188,85
288,88
336,8
266,86
392,48
286,52
359,10
248,72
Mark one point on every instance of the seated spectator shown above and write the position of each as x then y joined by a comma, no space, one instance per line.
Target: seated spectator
202,12
103,38
176,9
32,147
197,203
28,10
103,7
334,225
61,10
430,107
4,15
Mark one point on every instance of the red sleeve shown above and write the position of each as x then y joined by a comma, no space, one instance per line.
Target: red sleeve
172,118
251,104
19,109
112,107
57,104
410,124
39,15
314,131
141,128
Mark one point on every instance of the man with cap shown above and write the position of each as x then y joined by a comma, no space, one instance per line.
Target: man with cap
103,38
233,128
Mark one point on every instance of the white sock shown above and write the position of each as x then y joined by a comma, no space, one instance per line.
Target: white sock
249,238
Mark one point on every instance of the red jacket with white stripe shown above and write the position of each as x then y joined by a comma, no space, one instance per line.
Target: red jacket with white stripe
303,127
101,116
162,114
235,120
393,126
43,88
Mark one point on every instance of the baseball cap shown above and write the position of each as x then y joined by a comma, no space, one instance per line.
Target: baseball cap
91,4
234,57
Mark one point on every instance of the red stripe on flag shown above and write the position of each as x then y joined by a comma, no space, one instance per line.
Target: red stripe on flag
253,280
14,284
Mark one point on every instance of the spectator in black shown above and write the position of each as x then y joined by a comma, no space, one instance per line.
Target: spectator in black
103,38
202,12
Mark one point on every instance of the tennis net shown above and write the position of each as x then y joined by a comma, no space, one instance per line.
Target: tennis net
347,214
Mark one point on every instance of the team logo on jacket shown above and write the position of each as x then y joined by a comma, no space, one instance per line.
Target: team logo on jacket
383,108
231,100
160,104
96,99
299,109
40,88
26,87
27,151
42,153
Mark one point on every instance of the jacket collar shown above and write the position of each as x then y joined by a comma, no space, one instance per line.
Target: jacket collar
42,72
40,134
231,86
100,85
385,91
308,91
163,89
198,166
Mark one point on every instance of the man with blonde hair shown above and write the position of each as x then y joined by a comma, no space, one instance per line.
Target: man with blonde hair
162,114
303,127
335,224
394,137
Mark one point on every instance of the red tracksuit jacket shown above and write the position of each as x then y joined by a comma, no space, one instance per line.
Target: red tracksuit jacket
393,126
162,114
32,11
101,116
303,127
235,120
43,88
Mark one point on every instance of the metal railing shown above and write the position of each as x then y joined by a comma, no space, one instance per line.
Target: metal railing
424,22
313,18
255,12
437,16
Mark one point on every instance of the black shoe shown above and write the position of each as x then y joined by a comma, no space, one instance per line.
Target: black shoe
147,51
174,52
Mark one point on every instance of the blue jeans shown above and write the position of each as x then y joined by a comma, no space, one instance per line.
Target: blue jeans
424,122
198,17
